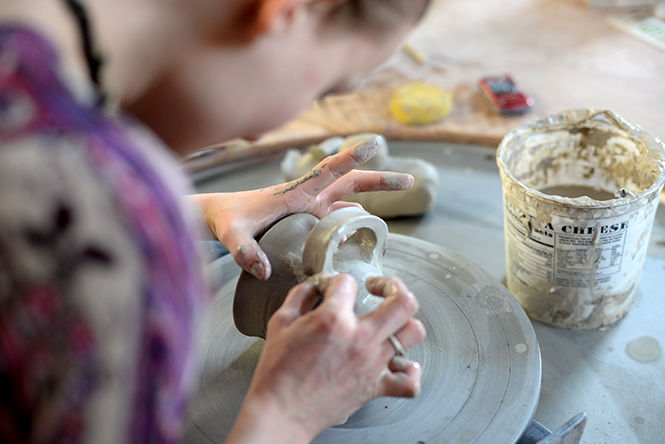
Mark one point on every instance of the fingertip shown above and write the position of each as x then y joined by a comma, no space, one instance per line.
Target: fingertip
398,364
410,382
420,328
408,302
298,301
414,390
257,270
253,260
397,181
374,284
402,384
265,262
341,291
415,370
301,288
343,281
386,286
366,149
303,296
244,258
403,365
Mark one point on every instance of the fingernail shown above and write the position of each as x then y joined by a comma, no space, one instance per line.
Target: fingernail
390,289
267,269
371,281
320,281
258,270
400,364
398,181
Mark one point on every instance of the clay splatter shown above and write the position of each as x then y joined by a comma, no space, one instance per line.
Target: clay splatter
520,348
397,181
295,183
644,349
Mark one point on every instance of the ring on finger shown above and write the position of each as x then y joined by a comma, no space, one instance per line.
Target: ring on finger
399,348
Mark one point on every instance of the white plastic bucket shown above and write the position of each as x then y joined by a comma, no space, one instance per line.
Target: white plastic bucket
575,262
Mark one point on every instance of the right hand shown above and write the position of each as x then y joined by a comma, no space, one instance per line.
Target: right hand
319,366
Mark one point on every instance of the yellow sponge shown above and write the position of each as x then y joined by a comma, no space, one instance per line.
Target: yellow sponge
420,103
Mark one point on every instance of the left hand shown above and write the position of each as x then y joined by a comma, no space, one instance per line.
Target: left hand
320,365
236,218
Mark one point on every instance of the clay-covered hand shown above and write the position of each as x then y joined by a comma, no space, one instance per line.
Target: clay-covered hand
319,366
236,218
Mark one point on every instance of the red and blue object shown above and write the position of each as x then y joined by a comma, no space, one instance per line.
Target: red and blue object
503,95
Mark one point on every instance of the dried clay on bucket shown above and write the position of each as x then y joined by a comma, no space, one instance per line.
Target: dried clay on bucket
580,192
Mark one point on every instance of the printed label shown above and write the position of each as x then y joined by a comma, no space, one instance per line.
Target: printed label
576,254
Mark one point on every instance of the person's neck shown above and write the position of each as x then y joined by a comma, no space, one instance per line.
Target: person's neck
137,40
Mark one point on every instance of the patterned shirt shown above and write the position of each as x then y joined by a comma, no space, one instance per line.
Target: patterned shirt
100,280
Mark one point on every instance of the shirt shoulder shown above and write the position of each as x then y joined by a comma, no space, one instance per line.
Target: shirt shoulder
97,252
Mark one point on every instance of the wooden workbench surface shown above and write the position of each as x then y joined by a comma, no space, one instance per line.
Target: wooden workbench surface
561,52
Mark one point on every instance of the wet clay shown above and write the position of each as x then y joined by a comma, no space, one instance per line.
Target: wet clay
480,364
300,247
578,191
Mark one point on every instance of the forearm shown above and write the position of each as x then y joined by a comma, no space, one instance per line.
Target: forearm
259,422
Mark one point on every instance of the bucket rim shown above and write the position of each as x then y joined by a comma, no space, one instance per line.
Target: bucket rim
581,114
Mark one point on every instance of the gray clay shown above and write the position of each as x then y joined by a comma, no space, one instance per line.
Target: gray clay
300,246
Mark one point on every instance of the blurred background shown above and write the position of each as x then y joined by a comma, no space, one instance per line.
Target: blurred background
564,54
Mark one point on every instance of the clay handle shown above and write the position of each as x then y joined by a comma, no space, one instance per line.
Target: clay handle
323,241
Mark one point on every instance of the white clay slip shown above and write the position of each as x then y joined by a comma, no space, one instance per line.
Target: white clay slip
580,192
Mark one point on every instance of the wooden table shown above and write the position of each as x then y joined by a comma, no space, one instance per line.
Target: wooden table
562,52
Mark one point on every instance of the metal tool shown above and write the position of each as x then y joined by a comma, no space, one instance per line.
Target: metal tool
569,433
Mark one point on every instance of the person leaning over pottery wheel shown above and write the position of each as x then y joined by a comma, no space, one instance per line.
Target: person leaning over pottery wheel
101,287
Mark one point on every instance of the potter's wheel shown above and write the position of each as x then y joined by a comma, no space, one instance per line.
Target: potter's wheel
481,362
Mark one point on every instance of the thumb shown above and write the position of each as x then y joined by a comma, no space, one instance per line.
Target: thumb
249,256
298,301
